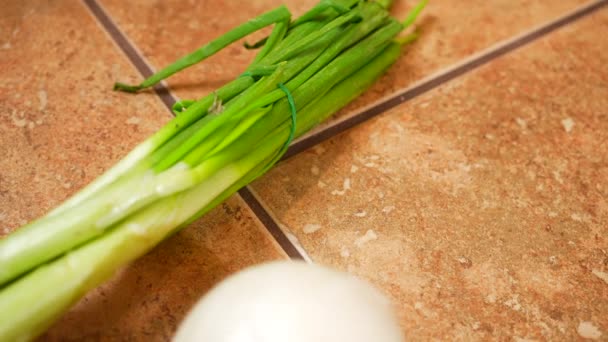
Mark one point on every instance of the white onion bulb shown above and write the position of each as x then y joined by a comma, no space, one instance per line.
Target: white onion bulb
291,301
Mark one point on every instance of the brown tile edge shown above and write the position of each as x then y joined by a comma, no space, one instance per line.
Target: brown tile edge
439,78
271,224
129,49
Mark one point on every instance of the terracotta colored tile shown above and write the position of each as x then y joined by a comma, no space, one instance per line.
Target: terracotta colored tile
481,207
451,31
148,300
61,125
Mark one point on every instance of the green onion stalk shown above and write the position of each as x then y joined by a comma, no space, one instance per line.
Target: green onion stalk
305,70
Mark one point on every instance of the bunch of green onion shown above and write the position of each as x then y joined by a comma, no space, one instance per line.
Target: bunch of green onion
305,71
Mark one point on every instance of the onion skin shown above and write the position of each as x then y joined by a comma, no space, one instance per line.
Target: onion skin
291,301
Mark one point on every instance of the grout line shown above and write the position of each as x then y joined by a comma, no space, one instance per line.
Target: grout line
283,229
435,80
129,49
270,223
144,68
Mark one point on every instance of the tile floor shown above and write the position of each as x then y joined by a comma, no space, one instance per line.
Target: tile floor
480,206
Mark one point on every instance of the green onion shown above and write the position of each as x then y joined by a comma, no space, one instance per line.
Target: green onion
305,71
279,15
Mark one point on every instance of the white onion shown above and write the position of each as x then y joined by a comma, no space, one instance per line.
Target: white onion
291,301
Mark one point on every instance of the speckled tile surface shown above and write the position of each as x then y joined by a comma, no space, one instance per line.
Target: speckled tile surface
164,31
481,206
61,125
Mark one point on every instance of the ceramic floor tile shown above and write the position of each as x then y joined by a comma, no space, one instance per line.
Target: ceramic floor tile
61,125
451,31
147,300
481,206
